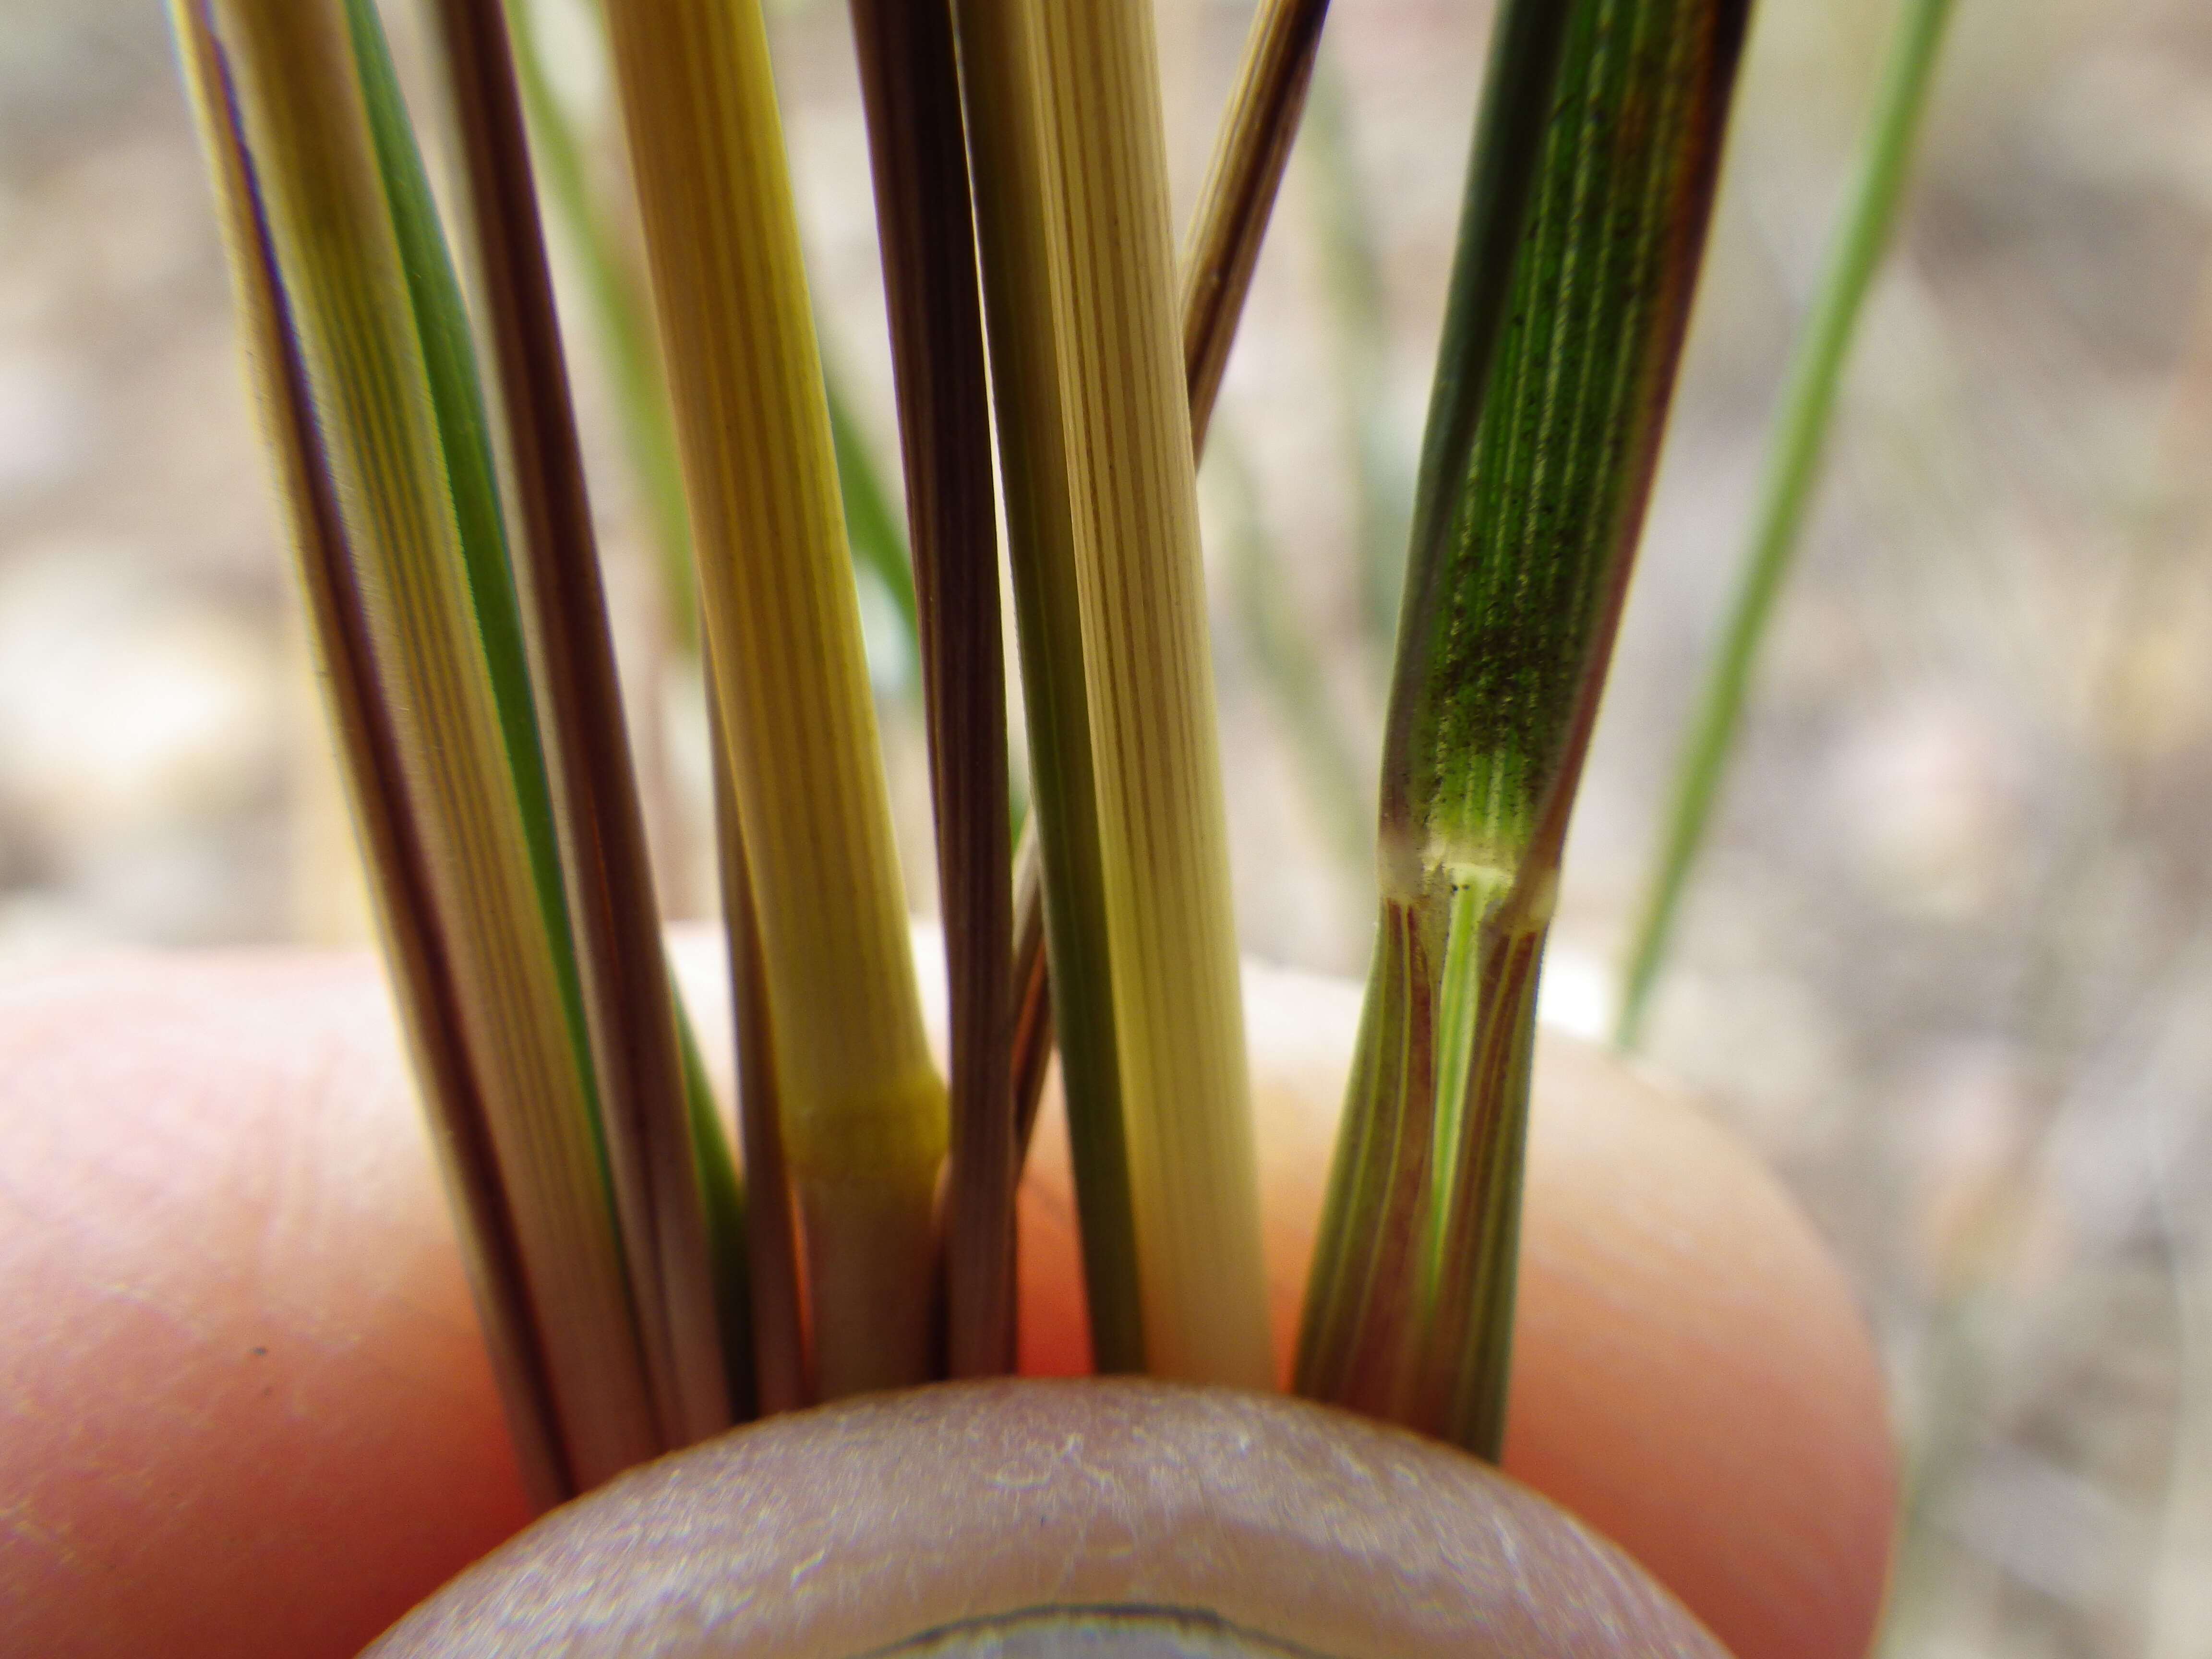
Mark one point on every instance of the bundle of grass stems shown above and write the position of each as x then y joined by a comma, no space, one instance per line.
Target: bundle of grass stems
1055,369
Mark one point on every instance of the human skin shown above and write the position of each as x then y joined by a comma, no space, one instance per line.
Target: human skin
244,1408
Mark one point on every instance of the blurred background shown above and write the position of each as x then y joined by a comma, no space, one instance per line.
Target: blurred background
1947,961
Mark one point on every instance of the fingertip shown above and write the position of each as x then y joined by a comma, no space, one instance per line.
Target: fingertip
247,1409
1692,1374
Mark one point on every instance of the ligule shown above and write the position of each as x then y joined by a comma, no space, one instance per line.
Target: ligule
862,1110
1587,204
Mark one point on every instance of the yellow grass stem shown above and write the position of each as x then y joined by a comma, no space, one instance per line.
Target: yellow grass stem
1224,248
863,1111
289,68
1162,828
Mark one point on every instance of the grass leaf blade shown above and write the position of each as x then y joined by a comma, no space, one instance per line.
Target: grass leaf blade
1253,148
405,915
1178,1015
1808,404
1015,192
910,87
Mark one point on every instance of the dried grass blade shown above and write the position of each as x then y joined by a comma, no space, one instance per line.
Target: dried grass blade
1239,193
1225,235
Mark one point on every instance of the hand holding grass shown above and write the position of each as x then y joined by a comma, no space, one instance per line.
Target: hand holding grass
248,1410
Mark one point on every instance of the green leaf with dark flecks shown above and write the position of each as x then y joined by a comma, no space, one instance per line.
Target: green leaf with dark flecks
1588,201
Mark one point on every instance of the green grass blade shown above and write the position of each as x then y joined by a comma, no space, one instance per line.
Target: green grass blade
1807,406
1587,201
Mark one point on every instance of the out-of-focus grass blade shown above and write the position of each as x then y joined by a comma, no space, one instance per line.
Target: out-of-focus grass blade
371,363
1359,318
879,546
1587,201
1282,647
863,1112
649,1117
1239,193
407,919
625,326
1793,460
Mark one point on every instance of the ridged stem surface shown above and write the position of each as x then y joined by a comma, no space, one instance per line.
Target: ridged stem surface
863,1111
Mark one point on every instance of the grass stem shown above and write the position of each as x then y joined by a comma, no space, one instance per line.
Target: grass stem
1178,1016
1588,201
863,1111
406,917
